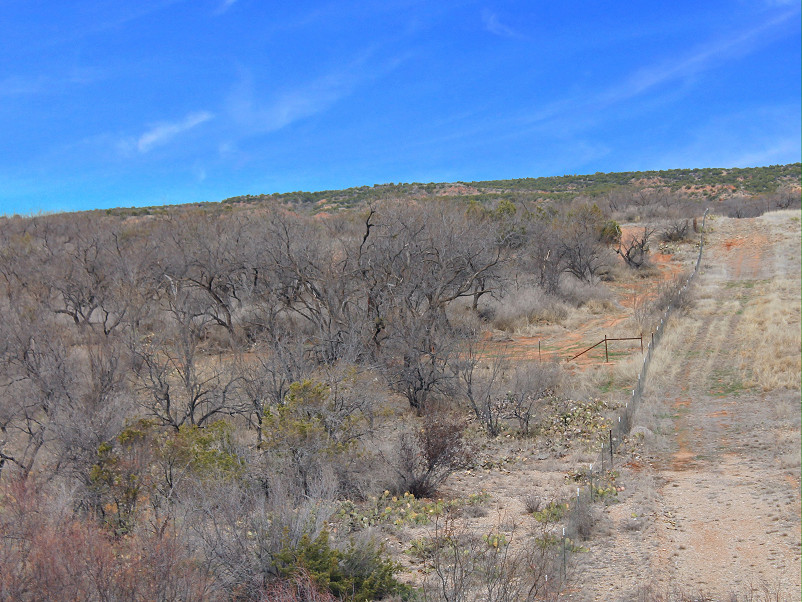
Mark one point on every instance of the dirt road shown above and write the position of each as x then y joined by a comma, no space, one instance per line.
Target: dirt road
712,506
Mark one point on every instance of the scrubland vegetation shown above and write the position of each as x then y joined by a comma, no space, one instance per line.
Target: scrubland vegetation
231,402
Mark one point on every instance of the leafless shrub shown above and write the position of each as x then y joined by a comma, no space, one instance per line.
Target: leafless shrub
178,382
468,567
762,592
545,259
649,204
429,456
581,518
530,385
585,258
56,555
482,390
634,248
670,292
418,359
532,503
785,198
746,206
675,231
240,527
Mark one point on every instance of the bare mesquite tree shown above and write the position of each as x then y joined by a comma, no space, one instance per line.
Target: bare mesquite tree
427,457
427,263
482,389
583,251
315,282
634,248
206,258
264,376
546,257
203,382
178,383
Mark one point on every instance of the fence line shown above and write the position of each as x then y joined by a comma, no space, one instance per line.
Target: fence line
605,340
622,426
614,437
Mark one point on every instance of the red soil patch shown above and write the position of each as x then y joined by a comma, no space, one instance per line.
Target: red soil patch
683,459
635,465
745,254
563,346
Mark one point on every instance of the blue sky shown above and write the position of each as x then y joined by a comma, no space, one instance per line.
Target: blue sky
107,103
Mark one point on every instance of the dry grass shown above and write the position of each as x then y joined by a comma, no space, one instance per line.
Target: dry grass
769,336
611,380
695,342
522,307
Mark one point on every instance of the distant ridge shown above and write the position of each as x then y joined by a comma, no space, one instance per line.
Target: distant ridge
711,183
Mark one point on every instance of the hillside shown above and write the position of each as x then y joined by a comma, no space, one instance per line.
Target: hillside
710,184
428,397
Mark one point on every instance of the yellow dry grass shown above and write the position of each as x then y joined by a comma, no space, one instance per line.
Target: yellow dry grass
768,335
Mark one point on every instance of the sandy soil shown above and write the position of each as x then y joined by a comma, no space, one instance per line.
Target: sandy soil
717,512
709,504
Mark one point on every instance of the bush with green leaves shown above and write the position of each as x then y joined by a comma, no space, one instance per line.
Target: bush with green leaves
553,512
147,460
319,426
360,573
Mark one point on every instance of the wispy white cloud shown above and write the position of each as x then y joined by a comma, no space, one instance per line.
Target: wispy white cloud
701,59
224,6
29,85
262,113
761,136
162,133
284,108
496,27
581,111
569,122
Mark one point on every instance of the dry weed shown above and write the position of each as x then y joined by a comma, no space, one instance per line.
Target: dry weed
769,336
522,307
612,379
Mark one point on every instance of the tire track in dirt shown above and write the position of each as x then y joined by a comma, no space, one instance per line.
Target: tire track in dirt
675,369
693,439
731,527
716,513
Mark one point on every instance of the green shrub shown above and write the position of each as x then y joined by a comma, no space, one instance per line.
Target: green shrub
145,460
552,513
358,574
610,232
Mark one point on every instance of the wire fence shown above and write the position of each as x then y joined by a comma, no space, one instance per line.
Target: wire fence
605,342
598,472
